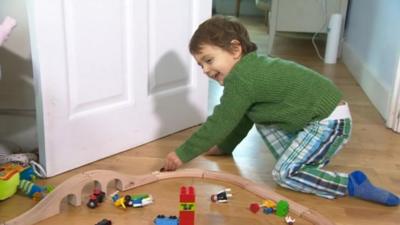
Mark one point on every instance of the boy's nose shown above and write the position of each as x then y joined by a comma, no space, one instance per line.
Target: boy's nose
206,69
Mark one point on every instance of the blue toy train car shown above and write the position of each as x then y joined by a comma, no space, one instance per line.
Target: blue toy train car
163,220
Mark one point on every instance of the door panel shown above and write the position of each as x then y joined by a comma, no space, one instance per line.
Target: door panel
111,75
103,80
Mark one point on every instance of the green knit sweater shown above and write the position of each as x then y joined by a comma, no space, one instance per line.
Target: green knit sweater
263,90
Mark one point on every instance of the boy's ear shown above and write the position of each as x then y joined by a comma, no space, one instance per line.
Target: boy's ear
236,48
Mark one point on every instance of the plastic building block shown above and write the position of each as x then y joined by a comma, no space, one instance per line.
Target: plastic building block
268,204
268,210
163,220
139,196
187,206
142,200
282,208
254,207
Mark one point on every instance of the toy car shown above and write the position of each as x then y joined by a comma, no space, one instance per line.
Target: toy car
104,222
96,198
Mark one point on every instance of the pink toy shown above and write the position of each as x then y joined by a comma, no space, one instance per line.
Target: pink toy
5,28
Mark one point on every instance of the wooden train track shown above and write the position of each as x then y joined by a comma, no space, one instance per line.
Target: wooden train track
72,188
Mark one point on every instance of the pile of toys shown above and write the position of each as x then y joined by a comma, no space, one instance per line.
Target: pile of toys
134,201
268,206
18,171
187,207
14,177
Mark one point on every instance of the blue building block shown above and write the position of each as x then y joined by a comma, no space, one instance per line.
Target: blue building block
163,220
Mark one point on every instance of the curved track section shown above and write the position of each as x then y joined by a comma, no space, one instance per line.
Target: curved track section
72,188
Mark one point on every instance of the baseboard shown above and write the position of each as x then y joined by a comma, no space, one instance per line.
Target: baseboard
369,82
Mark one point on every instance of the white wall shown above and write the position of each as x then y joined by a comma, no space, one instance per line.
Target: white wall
228,7
372,48
16,89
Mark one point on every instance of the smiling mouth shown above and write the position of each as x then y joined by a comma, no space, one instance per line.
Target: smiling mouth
216,75
219,78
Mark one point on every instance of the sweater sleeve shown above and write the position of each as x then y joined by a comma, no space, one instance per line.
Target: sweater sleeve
236,136
235,102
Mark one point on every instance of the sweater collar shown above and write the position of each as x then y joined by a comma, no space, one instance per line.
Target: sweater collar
244,62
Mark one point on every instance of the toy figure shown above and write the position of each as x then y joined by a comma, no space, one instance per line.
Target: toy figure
222,196
289,220
115,196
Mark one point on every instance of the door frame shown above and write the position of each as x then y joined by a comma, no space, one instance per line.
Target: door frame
393,121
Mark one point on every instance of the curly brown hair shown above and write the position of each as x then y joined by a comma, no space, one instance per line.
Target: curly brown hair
221,31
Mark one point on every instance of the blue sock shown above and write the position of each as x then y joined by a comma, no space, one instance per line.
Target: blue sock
359,186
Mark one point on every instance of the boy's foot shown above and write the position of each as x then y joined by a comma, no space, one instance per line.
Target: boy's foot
359,186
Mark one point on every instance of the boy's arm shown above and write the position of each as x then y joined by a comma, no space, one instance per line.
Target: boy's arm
235,102
236,136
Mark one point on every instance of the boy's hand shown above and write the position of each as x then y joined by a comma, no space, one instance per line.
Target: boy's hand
215,150
172,162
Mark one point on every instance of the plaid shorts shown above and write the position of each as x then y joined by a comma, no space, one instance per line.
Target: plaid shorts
300,156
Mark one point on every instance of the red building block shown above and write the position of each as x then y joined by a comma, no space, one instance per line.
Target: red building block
254,207
187,200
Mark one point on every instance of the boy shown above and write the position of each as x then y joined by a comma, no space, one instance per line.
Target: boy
297,111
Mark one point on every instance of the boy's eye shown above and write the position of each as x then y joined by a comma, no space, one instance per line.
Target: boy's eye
209,61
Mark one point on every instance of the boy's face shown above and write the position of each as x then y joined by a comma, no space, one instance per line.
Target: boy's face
217,62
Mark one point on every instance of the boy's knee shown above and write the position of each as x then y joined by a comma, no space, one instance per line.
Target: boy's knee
279,176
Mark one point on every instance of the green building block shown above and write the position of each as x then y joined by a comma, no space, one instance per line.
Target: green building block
282,208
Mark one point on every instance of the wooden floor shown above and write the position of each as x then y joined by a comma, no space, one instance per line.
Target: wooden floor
373,149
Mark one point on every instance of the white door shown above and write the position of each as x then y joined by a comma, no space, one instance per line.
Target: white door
112,74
